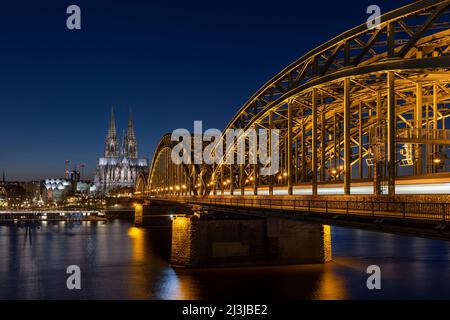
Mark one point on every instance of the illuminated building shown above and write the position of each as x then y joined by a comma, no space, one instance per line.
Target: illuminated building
56,190
119,168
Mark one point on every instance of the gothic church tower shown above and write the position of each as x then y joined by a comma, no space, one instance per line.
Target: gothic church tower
112,142
130,140
120,167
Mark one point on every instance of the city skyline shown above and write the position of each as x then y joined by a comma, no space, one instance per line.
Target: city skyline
74,164
60,84
213,151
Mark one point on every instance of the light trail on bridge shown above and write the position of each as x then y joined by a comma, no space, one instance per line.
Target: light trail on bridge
369,105
413,189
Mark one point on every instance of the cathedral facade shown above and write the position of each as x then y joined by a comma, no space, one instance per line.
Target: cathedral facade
119,168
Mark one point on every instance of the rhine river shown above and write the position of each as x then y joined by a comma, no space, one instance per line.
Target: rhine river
119,261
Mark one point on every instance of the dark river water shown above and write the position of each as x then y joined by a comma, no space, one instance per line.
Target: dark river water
119,261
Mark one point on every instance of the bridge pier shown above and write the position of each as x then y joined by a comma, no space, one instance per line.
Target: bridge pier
215,240
158,213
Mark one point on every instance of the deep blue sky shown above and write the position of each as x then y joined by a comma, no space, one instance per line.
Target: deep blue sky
172,62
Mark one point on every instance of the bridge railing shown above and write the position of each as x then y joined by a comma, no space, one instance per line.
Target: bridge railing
405,134
389,209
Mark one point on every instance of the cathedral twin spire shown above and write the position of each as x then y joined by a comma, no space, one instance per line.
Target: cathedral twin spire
129,143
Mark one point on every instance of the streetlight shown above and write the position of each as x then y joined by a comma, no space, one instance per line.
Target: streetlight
437,158
335,173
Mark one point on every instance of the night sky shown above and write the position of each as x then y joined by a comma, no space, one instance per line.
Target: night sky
171,62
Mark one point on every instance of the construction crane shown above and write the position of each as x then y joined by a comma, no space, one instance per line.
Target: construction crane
67,169
82,166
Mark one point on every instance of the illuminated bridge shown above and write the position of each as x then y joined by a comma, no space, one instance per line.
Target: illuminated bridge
363,120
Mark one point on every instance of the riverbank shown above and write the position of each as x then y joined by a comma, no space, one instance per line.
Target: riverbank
54,215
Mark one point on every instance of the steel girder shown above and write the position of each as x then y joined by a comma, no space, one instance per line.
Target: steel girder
166,177
348,107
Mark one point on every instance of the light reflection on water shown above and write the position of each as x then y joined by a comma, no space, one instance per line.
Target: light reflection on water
120,261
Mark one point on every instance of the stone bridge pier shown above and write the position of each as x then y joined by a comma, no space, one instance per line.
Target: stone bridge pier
233,240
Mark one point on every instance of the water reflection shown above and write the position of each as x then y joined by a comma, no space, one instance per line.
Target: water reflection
120,261
29,228
330,286
275,282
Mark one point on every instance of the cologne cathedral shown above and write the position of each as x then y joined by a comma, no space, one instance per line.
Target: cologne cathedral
119,168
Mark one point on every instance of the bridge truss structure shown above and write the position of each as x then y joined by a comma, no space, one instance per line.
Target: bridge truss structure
368,105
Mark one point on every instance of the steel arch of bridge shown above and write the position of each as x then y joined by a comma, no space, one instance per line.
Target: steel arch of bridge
169,177
368,104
